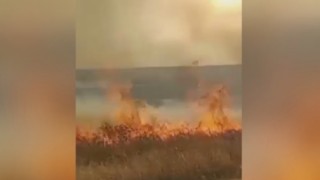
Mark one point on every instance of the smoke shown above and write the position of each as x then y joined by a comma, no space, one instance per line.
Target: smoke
123,33
94,110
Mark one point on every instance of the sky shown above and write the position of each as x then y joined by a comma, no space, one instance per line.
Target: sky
142,33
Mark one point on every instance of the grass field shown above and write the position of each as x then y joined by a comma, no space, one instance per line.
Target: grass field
190,157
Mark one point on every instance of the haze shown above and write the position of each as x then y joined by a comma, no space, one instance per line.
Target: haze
125,33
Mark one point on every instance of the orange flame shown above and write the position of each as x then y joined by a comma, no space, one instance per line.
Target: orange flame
134,121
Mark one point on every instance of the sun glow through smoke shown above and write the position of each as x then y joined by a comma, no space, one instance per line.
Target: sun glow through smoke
227,5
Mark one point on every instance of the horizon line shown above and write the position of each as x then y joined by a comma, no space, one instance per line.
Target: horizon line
141,67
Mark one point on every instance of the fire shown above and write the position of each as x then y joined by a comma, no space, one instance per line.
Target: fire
214,118
134,121
131,111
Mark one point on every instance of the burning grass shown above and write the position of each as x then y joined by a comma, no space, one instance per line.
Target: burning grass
181,157
158,152
133,121
139,146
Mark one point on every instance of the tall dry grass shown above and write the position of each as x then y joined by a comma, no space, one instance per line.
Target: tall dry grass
184,157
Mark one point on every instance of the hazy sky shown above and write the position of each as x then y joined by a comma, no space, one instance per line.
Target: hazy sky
126,33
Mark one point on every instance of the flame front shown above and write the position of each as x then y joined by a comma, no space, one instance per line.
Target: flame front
133,120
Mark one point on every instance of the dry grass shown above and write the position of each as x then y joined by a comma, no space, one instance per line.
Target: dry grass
181,158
